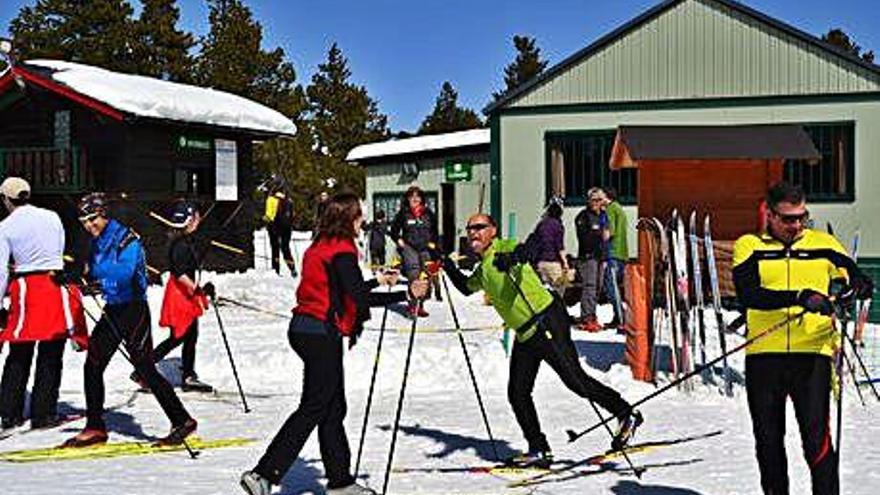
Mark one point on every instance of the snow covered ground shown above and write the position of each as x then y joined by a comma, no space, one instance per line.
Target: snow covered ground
441,428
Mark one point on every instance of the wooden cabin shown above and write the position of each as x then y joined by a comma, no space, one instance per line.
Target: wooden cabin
70,129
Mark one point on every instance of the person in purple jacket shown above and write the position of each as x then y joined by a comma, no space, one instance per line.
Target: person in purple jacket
552,265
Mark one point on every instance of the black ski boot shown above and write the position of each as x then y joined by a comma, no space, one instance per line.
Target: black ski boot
533,458
626,430
191,383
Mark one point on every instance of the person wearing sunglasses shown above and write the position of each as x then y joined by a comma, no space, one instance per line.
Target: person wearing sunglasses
117,264
43,312
543,334
781,271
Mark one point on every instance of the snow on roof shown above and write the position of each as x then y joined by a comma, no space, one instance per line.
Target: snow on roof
473,137
154,98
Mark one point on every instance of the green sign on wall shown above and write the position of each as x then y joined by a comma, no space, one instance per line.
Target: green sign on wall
459,170
193,143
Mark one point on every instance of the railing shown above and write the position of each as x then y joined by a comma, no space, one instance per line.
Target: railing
49,170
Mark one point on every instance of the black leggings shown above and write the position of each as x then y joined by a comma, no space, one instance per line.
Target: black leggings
129,324
322,405
187,354
806,378
562,356
47,379
279,242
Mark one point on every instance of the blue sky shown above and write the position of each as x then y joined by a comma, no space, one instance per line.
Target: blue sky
403,50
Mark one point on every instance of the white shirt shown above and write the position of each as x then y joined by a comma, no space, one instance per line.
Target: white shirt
35,239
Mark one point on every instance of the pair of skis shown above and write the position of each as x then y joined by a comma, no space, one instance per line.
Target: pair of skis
680,270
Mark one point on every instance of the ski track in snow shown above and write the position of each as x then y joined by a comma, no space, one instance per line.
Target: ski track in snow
441,426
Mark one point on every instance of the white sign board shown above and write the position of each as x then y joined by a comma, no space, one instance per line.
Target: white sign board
226,164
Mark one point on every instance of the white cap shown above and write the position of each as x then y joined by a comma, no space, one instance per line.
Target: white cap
15,188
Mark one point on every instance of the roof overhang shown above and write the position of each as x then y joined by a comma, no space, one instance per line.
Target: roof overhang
12,77
634,144
17,78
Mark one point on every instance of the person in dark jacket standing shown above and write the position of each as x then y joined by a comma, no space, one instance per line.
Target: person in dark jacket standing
414,230
591,226
377,229
278,216
184,300
43,312
333,301
117,264
552,264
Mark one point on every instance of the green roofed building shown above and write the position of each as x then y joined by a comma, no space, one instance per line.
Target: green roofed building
682,65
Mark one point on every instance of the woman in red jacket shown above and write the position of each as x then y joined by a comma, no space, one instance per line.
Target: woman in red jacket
333,301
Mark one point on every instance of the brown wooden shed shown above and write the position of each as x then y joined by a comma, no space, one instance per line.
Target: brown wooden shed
722,170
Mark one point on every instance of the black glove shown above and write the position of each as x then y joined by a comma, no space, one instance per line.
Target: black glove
448,264
4,317
208,290
815,302
505,261
353,338
862,286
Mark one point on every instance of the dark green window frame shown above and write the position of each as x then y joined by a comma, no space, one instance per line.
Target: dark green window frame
833,178
586,156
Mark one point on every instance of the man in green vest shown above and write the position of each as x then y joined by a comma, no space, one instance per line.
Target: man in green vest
618,253
543,333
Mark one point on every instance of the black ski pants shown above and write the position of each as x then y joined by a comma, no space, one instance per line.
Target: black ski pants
47,379
127,323
806,378
279,242
187,354
559,352
322,405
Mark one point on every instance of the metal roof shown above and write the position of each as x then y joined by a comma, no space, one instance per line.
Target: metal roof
653,13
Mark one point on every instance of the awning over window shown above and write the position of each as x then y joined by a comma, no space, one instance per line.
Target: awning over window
750,142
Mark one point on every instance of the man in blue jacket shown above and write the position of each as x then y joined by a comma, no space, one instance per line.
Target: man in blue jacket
118,266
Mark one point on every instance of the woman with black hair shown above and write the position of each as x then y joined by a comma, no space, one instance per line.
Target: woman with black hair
333,301
414,230
552,263
184,300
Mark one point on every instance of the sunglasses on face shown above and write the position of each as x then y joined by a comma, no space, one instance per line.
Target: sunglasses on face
792,219
476,227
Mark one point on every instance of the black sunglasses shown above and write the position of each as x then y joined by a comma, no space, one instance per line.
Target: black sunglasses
790,219
477,226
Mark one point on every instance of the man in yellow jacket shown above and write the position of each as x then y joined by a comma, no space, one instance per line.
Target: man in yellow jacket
780,273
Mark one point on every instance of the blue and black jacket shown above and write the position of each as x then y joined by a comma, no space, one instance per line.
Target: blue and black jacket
118,264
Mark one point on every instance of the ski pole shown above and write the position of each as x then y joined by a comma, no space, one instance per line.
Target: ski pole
572,435
637,471
839,364
467,360
412,337
861,363
114,329
229,353
252,307
357,463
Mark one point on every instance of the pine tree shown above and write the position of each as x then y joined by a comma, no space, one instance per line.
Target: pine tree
232,59
97,32
343,115
164,49
840,39
527,65
447,115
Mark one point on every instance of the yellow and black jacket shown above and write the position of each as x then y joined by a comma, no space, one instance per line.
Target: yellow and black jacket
769,275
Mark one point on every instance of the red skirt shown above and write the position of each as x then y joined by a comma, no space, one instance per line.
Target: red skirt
179,309
42,310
